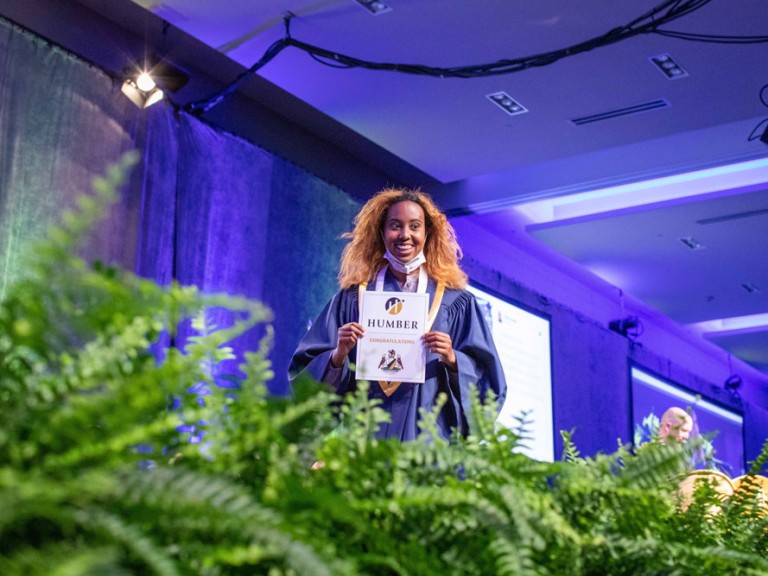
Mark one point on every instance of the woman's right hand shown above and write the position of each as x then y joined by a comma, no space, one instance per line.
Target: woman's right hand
348,335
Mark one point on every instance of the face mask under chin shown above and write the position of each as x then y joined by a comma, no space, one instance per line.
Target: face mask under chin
405,267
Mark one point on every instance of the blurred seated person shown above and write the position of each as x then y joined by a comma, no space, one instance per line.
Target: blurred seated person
675,425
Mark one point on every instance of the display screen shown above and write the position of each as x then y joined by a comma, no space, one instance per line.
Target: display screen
523,343
721,427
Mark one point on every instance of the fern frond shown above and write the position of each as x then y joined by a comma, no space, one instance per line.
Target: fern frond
131,538
653,466
177,496
758,465
511,559
63,560
570,451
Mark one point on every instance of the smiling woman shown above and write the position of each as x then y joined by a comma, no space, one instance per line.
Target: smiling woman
404,231
402,243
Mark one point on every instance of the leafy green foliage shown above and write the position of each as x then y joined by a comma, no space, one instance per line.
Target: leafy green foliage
99,473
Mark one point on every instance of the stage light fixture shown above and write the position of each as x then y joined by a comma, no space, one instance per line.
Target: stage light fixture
143,98
733,383
145,85
507,103
627,326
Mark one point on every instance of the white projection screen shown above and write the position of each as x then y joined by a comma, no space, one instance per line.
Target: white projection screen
523,342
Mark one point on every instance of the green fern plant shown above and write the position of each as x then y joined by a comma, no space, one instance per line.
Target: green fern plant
89,446
98,474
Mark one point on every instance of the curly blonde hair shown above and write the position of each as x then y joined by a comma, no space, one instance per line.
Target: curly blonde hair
363,257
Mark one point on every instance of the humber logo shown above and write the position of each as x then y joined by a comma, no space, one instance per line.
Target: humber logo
393,306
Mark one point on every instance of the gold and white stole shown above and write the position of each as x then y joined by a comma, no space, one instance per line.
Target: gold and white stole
389,387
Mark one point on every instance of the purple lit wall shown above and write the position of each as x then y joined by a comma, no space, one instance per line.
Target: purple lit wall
591,364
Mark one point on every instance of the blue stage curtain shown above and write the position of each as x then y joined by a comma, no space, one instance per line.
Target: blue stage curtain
306,219
61,123
156,241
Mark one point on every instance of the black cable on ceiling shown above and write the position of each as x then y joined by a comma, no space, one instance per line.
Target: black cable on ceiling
713,38
648,23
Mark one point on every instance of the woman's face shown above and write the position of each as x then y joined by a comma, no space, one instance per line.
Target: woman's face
405,230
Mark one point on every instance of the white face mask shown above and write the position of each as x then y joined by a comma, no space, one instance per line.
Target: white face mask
405,267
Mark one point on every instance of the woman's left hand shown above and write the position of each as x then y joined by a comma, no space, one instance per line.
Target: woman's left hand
440,343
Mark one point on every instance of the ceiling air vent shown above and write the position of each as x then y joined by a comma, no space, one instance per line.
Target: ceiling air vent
737,216
692,243
375,7
628,111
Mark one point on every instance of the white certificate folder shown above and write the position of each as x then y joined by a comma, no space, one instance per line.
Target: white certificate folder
391,348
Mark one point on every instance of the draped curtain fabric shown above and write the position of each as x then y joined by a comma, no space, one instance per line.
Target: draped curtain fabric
203,207
61,123
160,147
306,219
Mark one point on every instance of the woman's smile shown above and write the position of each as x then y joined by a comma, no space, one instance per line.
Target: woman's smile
404,230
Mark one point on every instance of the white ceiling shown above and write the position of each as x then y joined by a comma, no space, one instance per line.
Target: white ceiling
478,160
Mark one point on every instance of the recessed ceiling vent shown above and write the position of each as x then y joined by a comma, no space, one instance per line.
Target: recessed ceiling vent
667,65
736,216
507,103
375,7
749,287
619,112
692,243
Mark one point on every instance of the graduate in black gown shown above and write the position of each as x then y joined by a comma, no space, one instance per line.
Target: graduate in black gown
401,242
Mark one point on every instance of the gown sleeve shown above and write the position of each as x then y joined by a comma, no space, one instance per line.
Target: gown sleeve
477,359
313,355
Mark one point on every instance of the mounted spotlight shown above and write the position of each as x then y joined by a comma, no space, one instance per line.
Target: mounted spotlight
732,384
142,91
628,326
145,85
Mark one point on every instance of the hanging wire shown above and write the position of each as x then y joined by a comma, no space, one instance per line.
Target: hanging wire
649,23
203,106
761,130
758,131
